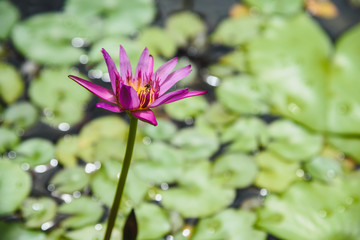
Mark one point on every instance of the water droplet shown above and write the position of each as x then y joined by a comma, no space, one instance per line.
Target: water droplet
95,74
344,108
64,126
151,193
186,232
77,42
51,187
164,186
54,162
11,154
47,225
263,192
158,197
294,108
331,173
76,194
37,206
213,81
83,59
189,121
66,197
25,166
147,140
98,227
300,173
90,167
105,77
48,113
169,237
323,213
40,168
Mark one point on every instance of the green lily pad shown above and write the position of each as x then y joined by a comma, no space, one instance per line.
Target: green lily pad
35,151
84,211
178,27
197,195
47,38
284,7
235,170
294,76
350,146
15,186
247,28
236,60
96,232
229,224
312,210
165,164
246,135
61,99
343,94
17,231
324,168
38,211
66,150
275,173
70,180
165,130
11,84
195,145
187,108
242,94
20,115
153,221
159,42
8,139
293,142
8,17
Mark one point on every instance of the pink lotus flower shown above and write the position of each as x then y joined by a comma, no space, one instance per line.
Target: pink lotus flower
137,93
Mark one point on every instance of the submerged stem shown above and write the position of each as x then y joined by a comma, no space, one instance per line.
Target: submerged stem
123,175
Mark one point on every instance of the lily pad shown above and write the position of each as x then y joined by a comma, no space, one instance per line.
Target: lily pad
247,28
60,98
165,130
235,170
187,108
38,211
246,135
293,142
11,84
21,115
8,17
324,169
195,145
197,195
15,186
84,211
70,180
284,7
229,224
242,94
8,139
46,38
153,220
17,231
35,151
178,27
96,232
275,173
66,150
350,146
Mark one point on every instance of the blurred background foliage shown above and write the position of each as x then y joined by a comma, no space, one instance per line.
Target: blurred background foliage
271,152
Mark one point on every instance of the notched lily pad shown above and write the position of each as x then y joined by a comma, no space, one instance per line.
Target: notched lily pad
18,231
11,84
8,139
38,211
8,17
70,180
66,150
187,108
20,115
165,130
284,7
35,151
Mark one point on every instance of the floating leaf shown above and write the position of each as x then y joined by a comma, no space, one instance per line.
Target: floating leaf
235,170
197,195
38,211
8,17
242,94
17,231
158,41
187,108
8,139
247,28
20,115
153,221
350,146
46,38
165,130
96,232
229,224
35,151
70,180
275,173
15,186
84,211
66,150
246,135
11,84
195,144
285,7
292,141
324,168
178,27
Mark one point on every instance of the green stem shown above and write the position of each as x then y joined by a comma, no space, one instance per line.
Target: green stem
122,179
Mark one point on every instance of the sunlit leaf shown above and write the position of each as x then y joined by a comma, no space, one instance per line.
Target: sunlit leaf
96,232
187,108
17,231
276,6
275,173
153,221
70,180
20,115
8,139
229,224
324,168
84,211
350,146
164,131
46,38
15,186
8,17
35,151
66,150
38,211
11,84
